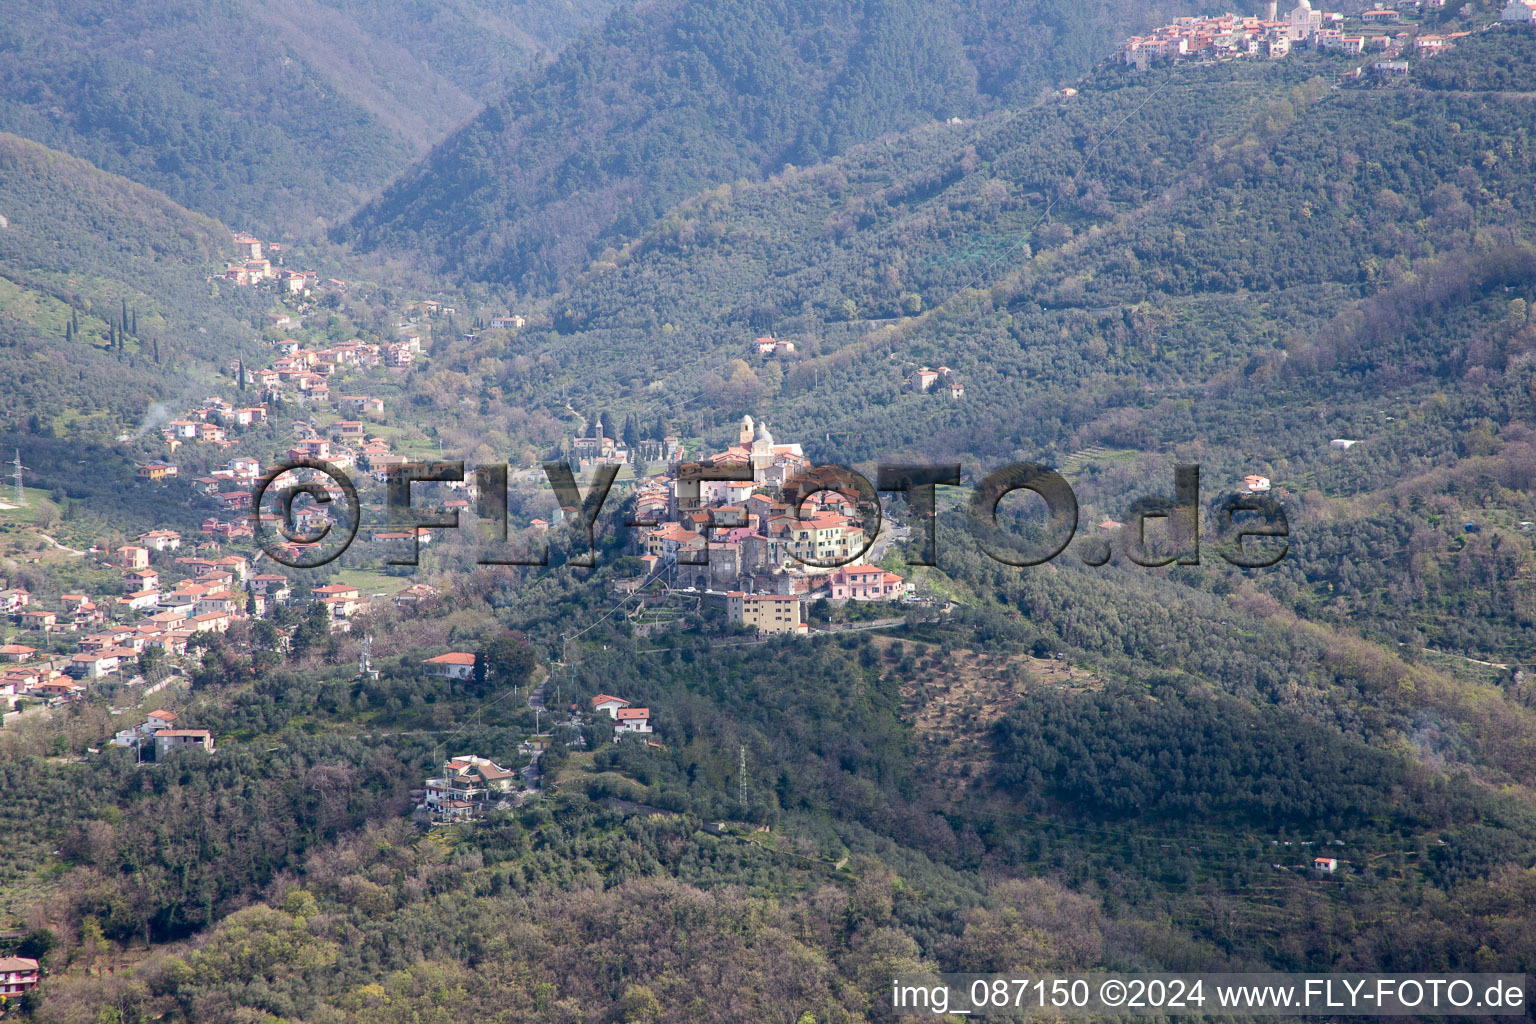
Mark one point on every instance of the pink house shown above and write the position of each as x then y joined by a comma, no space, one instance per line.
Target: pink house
865,583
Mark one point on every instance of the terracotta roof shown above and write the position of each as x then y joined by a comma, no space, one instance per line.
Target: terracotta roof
452,658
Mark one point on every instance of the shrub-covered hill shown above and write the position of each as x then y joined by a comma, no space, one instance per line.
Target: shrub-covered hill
79,247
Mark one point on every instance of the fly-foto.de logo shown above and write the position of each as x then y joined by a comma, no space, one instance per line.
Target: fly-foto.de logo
1251,530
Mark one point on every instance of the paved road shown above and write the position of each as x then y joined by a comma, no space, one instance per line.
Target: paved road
889,534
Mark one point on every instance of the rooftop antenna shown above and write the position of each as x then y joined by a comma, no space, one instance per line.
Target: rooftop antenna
21,495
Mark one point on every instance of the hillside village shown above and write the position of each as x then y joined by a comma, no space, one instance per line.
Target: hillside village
1386,31
740,546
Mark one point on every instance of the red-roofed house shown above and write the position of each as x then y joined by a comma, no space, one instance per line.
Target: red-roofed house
609,703
17,652
632,720
865,583
453,665
18,976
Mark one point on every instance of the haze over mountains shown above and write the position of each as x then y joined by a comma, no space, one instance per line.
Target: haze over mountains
270,115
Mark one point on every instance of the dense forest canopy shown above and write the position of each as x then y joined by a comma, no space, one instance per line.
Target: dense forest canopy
674,96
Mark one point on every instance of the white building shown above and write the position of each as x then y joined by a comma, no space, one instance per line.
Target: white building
1520,12
453,665
1303,21
631,720
468,782
156,721
609,703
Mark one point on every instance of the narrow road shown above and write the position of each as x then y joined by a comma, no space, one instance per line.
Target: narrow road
1463,657
62,547
857,627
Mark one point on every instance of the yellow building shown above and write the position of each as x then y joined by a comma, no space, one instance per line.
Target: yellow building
766,613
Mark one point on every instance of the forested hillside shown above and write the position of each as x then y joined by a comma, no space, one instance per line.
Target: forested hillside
677,95
273,115
81,249
1255,266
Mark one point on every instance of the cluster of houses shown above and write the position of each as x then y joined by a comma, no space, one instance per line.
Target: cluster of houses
627,720
1228,36
259,262
159,730
773,347
211,423
924,380
108,636
304,374
297,372
166,619
765,543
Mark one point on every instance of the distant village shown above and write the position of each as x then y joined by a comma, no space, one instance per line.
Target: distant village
262,263
761,545
1383,30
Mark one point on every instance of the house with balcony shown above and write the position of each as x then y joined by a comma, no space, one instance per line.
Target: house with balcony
468,784
865,583
18,976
